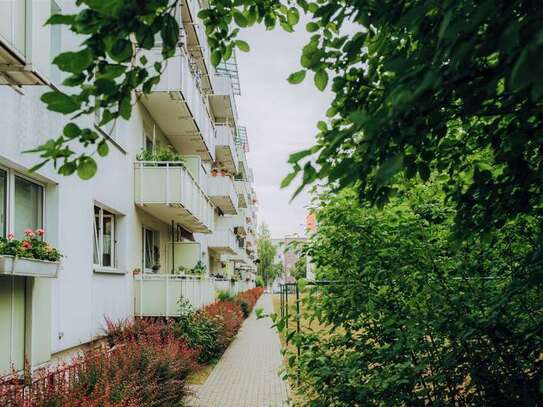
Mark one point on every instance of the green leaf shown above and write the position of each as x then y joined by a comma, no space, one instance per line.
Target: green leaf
288,179
240,19
125,107
71,130
293,16
67,169
242,46
297,156
61,19
389,168
74,62
216,58
60,102
121,50
297,77
103,148
87,168
312,27
321,79
322,126
112,71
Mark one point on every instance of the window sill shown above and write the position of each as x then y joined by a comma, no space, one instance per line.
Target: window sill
107,270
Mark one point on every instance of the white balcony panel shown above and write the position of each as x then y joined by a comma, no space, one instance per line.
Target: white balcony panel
170,193
225,150
242,188
15,68
239,222
222,193
222,241
223,101
177,105
196,39
242,160
158,295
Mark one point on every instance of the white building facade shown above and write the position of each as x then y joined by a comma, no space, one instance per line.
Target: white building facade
140,234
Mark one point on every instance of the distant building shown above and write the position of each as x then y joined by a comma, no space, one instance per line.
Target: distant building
286,254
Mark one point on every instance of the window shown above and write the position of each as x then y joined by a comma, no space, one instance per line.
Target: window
3,202
28,206
151,250
21,204
104,238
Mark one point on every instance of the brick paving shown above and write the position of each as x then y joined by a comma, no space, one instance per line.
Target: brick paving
247,374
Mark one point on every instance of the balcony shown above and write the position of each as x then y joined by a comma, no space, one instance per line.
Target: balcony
178,107
14,59
242,188
220,190
222,101
222,241
196,39
242,160
239,222
158,295
170,193
225,148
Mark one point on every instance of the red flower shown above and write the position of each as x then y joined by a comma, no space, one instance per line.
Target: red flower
11,236
29,233
40,232
27,245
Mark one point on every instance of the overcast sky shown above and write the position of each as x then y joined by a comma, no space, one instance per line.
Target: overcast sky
281,119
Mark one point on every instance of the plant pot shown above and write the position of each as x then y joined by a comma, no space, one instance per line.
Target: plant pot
214,173
18,266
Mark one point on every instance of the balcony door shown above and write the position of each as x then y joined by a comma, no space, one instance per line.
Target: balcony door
151,251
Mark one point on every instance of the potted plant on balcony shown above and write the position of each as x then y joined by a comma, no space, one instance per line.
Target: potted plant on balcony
31,257
214,172
223,172
163,155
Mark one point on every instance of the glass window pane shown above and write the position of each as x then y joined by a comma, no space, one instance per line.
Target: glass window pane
108,240
3,205
28,206
96,244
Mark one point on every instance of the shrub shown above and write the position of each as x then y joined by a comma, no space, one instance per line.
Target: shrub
259,281
245,308
224,295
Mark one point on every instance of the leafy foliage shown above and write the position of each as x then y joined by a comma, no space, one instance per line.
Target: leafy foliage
160,153
266,253
449,88
105,73
414,317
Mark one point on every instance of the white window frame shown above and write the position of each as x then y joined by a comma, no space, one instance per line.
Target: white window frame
10,199
98,238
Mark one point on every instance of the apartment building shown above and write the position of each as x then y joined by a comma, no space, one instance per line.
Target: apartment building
135,235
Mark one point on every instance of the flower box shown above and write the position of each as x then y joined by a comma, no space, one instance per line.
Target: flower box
18,266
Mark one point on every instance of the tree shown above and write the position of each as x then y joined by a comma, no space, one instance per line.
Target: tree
428,89
300,268
412,317
266,254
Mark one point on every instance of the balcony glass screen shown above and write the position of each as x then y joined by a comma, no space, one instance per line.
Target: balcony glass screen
28,206
12,23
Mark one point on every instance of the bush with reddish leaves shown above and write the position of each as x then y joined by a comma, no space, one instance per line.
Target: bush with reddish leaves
148,371
146,362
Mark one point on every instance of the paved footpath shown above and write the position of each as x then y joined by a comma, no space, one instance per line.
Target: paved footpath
247,374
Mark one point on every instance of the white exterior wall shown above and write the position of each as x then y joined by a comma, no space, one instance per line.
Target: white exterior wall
82,297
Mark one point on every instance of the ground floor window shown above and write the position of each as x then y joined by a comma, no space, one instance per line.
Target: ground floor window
21,204
104,238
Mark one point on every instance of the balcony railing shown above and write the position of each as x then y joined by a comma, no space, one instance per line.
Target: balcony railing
178,106
225,151
222,241
242,188
159,294
223,101
168,191
222,193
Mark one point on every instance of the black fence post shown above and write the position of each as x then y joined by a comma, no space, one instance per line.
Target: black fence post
298,330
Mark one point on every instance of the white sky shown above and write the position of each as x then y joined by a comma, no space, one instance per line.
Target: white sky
281,119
